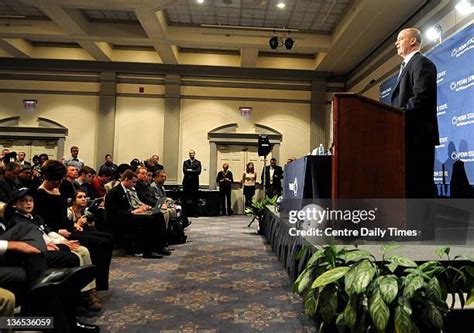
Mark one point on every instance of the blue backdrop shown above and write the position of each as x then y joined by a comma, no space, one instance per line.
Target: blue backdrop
454,59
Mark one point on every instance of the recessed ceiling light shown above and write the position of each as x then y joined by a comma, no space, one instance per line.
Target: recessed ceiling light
200,1
281,5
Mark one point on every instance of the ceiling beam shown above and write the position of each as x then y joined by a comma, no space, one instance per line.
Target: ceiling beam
248,57
99,50
160,69
168,53
154,24
134,34
74,24
16,47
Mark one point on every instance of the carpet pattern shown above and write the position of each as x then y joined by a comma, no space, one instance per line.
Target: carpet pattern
224,279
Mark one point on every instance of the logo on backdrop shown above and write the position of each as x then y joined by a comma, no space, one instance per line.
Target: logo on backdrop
440,77
462,84
294,187
442,109
386,92
459,51
465,156
442,142
463,120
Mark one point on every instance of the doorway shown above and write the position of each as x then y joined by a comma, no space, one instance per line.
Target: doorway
237,156
31,147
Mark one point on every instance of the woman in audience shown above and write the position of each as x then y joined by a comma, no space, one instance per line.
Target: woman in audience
249,178
52,207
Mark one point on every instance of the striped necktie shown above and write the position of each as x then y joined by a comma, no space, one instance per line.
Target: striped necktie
402,66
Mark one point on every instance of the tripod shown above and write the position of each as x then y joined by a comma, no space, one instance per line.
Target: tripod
255,217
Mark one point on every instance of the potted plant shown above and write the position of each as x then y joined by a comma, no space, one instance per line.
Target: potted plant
257,209
348,290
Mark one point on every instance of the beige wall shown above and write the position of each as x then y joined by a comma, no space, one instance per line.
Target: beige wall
77,113
139,120
138,128
198,117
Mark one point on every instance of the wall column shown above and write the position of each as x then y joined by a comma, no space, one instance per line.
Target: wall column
106,123
60,148
171,129
320,116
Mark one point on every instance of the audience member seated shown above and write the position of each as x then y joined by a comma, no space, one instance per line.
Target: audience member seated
109,165
98,183
24,177
21,208
144,191
168,206
124,209
84,181
9,182
68,186
120,170
39,291
52,207
152,164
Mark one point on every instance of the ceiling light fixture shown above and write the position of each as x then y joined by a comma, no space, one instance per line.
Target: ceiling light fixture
274,42
281,5
435,33
200,1
289,43
464,7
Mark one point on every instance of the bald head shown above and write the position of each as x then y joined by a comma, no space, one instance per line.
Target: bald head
408,40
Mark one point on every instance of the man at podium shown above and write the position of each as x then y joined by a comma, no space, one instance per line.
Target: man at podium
415,93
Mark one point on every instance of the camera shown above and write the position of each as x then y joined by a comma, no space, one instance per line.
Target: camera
10,157
91,211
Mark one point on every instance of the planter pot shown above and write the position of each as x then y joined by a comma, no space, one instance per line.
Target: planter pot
459,321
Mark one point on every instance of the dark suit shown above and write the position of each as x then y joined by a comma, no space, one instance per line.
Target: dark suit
274,187
145,193
7,187
416,94
119,213
191,171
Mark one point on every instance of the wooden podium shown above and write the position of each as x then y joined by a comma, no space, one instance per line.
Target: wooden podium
369,149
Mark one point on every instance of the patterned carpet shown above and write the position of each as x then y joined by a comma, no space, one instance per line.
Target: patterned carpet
224,279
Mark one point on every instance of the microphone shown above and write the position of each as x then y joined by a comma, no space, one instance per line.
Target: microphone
367,86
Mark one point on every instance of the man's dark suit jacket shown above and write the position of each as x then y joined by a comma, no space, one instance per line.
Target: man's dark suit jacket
117,207
25,232
145,193
277,176
415,93
6,189
191,170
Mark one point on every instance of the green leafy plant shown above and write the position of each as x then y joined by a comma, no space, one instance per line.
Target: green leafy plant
258,207
348,290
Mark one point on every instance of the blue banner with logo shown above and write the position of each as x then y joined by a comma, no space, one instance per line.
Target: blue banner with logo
454,60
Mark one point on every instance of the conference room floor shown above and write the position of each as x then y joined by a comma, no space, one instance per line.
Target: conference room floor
224,279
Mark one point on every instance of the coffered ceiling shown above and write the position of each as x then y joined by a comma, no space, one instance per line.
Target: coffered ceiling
329,35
